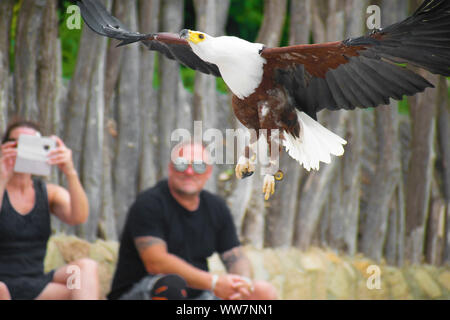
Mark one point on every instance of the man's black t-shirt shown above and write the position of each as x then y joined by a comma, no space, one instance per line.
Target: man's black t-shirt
191,235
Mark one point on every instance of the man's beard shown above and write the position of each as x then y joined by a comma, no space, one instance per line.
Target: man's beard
187,194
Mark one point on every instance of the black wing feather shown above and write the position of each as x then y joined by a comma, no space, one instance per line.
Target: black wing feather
365,71
99,20
340,101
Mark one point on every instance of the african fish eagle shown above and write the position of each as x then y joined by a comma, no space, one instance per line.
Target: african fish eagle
283,88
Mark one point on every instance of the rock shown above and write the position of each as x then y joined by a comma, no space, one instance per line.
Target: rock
396,282
257,260
332,257
444,279
319,285
72,248
278,282
313,274
53,259
215,265
363,292
338,284
427,284
62,250
298,286
362,266
311,261
273,263
104,251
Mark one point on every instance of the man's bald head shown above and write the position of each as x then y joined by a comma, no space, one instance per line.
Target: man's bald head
191,180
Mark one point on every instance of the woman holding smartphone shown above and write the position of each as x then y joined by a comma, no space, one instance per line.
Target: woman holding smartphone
25,206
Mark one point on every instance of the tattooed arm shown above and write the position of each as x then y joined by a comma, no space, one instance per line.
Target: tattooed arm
157,260
236,262
154,255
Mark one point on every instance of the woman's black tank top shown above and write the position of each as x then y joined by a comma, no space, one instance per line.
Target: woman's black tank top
23,244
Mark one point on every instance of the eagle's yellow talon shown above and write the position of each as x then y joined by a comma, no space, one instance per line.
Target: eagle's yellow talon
244,168
238,171
268,186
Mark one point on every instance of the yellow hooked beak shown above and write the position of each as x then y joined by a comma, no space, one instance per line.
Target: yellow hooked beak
192,36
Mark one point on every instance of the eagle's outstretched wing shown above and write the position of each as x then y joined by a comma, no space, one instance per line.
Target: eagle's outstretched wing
170,45
365,71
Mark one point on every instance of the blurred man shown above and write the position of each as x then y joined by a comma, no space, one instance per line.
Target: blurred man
171,229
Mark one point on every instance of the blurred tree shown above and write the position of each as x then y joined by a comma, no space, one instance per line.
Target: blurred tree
70,40
117,107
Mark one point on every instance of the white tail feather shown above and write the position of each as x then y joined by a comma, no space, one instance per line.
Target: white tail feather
316,143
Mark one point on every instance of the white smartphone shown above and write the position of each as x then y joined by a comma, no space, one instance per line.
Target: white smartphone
32,154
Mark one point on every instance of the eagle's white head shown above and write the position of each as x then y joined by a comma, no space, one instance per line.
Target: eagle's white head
202,44
238,60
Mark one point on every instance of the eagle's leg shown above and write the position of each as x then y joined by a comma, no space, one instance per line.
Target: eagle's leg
246,163
272,168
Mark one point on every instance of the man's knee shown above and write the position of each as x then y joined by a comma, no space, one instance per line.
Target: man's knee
4,292
87,265
264,291
3,287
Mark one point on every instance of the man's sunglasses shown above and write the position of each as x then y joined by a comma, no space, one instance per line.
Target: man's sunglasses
181,164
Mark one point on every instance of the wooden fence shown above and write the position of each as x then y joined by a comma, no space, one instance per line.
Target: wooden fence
388,197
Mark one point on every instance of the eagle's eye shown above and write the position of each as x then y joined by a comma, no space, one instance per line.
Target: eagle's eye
201,36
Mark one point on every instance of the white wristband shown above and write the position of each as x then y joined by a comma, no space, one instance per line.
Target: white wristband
215,278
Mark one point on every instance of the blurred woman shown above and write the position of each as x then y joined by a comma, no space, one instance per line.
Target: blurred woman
26,203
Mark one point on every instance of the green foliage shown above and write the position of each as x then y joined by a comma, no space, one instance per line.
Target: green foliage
221,86
189,15
403,106
286,29
70,40
244,21
188,78
156,82
245,18
448,82
12,34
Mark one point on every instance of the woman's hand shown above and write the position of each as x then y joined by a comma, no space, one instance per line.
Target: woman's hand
62,157
7,161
